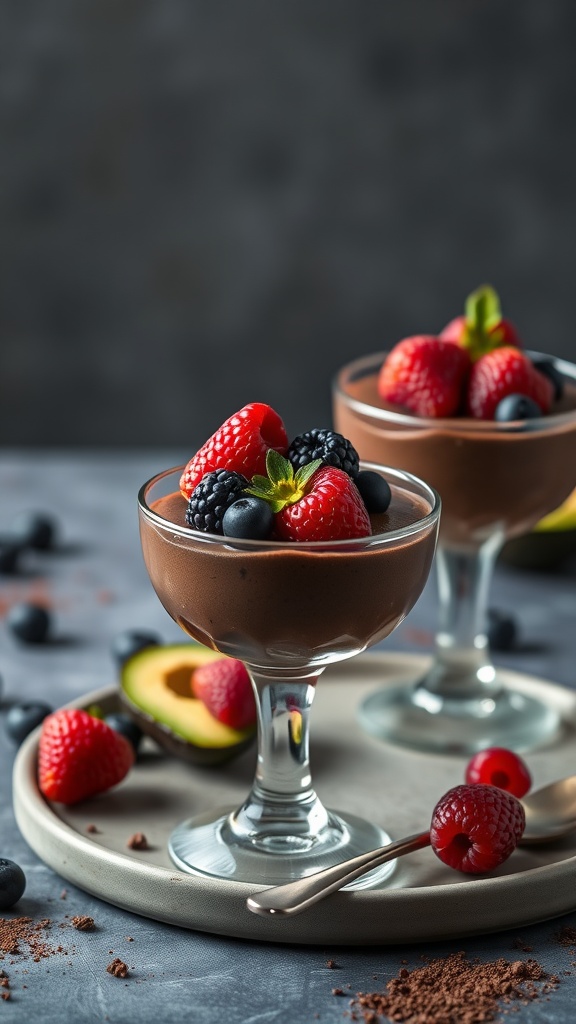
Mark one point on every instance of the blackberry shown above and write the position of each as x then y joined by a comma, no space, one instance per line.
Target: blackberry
332,448
211,497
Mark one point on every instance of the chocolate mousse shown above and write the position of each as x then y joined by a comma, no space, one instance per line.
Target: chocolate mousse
493,478
289,604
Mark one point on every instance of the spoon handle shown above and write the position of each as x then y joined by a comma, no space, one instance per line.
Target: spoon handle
294,897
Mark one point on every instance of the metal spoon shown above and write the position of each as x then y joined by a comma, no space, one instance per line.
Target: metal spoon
550,814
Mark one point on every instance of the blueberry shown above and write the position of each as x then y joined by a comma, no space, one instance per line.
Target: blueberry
248,518
29,622
374,490
124,645
126,727
516,407
12,883
502,630
21,719
9,557
548,368
33,530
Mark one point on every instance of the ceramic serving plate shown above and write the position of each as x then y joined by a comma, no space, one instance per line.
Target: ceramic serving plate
423,900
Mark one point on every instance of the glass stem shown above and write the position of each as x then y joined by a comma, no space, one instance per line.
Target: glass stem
462,667
282,802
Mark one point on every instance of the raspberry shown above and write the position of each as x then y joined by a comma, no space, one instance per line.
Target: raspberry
240,444
211,497
426,375
327,445
497,766
476,828
505,371
224,687
79,756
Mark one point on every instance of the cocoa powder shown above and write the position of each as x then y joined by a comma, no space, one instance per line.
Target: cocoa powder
23,936
454,990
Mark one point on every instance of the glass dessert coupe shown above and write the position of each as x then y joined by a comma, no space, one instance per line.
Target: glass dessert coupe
496,480
287,610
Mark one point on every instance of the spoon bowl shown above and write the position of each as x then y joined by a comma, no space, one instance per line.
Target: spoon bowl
550,814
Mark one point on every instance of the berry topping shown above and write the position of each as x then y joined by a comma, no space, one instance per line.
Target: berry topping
30,623
240,444
224,687
476,828
328,446
211,497
317,503
251,518
505,371
502,630
21,719
516,407
482,328
497,766
79,756
126,727
374,490
12,883
125,644
426,375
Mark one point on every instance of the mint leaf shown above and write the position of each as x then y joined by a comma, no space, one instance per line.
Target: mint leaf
483,309
305,472
278,468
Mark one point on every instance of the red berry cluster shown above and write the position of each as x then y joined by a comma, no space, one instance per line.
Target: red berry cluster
471,368
316,500
476,826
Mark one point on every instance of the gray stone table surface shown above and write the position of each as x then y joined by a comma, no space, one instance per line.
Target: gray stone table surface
96,585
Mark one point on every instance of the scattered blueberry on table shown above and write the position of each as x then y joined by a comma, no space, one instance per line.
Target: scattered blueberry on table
35,530
22,718
30,623
126,727
12,883
502,630
125,644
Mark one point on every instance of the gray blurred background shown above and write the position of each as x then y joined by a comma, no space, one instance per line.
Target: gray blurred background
210,202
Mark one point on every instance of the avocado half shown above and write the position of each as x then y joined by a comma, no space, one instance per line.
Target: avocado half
155,691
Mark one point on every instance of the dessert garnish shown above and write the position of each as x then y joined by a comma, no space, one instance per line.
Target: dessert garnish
474,367
224,687
80,756
498,766
156,691
475,828
240,445
315,492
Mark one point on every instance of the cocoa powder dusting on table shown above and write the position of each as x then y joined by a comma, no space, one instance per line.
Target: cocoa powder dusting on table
566,936
16,933
454,990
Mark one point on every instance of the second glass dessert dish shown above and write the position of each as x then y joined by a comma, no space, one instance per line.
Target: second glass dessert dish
496,479
287,610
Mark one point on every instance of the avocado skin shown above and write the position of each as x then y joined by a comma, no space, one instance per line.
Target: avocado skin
161,732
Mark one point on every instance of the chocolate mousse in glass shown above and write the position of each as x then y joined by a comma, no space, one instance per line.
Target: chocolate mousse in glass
496,480
287,609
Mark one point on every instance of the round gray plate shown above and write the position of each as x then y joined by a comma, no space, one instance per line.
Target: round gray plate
423,900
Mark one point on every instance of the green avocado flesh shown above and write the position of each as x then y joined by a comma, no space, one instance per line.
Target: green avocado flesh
155,689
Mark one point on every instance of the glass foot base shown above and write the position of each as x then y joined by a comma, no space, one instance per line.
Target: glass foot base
416,718
205,845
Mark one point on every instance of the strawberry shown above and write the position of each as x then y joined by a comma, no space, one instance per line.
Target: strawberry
239,445
224,687
317,502
426,375
79,756
505,371
482,328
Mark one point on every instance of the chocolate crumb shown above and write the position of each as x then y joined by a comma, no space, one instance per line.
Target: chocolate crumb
92,829
138,842
5,995
566,936
523,946
455,989
64,894
129,938
331,964
338,992
118,968
83,923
